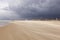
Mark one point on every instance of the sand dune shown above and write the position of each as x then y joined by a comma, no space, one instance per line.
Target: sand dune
31,30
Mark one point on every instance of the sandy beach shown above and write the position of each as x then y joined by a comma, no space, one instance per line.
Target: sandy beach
31,30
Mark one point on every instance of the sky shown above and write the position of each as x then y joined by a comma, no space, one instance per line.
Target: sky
29,9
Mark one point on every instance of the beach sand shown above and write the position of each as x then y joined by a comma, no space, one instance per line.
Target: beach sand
31,30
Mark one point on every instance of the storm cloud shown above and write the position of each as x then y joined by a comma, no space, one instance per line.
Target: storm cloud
31,9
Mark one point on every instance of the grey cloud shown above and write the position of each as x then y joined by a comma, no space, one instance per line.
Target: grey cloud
35,8
8,15
5,12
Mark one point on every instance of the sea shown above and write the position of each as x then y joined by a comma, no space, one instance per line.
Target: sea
4,22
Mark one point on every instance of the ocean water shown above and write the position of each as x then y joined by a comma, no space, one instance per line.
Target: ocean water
4,22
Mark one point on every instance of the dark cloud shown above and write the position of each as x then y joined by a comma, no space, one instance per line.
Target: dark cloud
30,9
37,8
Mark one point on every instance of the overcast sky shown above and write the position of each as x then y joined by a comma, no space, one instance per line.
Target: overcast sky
29,9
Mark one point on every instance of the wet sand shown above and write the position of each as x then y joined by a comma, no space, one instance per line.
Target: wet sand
31,30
